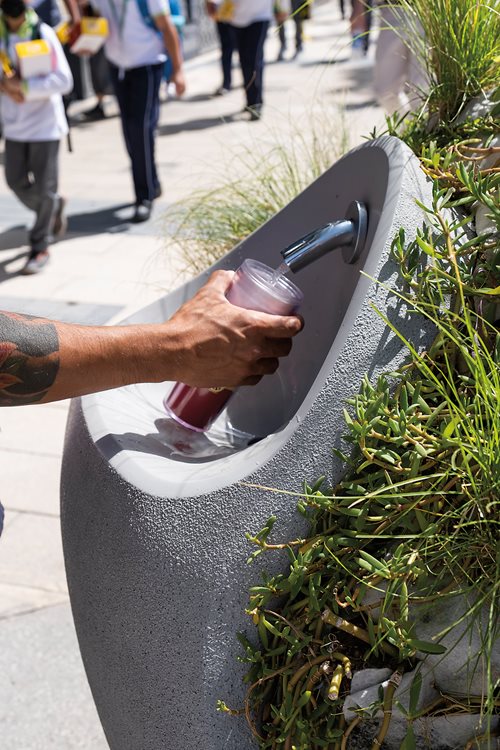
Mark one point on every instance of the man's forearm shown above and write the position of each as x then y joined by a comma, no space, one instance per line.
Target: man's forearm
29,359
73,10
43,361
208,342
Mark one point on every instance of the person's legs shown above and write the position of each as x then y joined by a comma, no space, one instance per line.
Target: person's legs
391,70
297,6
145,97
120,88
17,173
282,38
44,166
138,96
101,83
369,19
227,45
251,51
31,171
358,27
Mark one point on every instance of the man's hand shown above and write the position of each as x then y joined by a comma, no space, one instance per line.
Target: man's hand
207,343
179,81
220,345
12,87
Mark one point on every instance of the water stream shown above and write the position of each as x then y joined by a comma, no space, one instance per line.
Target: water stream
278,273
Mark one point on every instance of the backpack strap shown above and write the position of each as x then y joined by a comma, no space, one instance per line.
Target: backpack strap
176,17
146,15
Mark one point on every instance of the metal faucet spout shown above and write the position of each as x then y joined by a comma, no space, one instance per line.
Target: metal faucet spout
349,234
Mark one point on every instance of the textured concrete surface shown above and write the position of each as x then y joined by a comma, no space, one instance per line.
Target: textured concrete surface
157,564
105,266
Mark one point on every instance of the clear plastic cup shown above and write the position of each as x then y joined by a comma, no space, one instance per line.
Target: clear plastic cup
255,287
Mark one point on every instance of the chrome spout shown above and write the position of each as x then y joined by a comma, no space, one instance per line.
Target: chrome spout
348,234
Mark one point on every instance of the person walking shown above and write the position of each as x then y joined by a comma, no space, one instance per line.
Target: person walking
33,124
49,11
250,21
299,10
141,34
222,16
399,80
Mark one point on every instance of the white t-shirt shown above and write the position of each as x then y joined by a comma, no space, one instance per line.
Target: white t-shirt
41,116
246,12
131,43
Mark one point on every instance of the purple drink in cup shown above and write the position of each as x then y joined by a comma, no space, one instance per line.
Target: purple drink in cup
255,287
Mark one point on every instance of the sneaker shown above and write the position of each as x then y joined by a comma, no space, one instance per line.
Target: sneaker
60,224
255,112
357,48
221,91
142,211
35,263
96,113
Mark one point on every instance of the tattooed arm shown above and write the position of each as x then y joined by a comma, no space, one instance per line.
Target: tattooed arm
208,342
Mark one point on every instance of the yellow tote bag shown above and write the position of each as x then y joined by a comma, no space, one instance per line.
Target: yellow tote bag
225,12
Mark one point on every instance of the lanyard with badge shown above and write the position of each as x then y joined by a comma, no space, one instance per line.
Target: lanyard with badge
119,18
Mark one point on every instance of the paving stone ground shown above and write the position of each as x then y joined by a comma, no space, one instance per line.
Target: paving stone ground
102,270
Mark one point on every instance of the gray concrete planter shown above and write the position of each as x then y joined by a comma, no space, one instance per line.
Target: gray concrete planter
154,523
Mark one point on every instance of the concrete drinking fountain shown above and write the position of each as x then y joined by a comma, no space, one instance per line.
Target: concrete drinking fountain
154,515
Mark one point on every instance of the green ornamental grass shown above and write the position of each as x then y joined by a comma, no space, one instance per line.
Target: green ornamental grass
458,43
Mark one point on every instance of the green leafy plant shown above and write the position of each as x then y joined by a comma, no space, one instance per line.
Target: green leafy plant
415,518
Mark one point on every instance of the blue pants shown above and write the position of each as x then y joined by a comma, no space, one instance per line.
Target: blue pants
227,45
138,93
250,41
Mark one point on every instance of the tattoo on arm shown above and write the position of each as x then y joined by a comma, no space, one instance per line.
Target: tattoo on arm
29,358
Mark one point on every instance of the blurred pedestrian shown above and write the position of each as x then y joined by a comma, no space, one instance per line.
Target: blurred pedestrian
34,122
141,34
222,16
398,77
250,20
299,10
100,75
49,11
361,21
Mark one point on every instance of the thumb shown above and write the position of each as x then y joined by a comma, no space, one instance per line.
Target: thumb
220,281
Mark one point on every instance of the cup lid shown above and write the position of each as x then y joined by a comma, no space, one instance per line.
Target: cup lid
277,286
